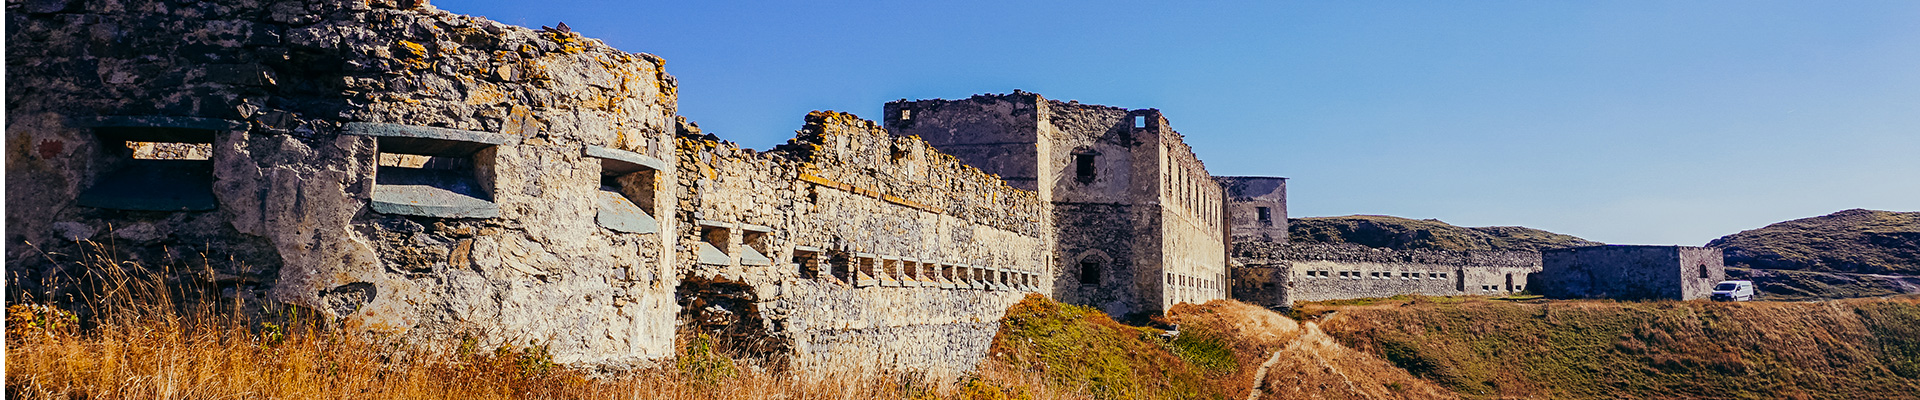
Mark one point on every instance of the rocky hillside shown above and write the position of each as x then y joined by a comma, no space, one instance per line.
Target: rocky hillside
1844,349
1852,241
1430,234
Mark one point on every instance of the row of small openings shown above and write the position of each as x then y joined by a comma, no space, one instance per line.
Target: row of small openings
867,270
1193,197
1191,281
166,164
1376,275
448,173
1496,288
716,243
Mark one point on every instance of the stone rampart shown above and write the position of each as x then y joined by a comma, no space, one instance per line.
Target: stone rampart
852,246
1277,275
403,170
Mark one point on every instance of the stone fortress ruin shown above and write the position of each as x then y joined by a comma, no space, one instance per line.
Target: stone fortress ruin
408,171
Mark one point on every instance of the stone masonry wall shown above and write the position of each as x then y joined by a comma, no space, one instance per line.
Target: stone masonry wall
1277,275
1631,272
1138,215
1192,225
293,103
1246,197
860,249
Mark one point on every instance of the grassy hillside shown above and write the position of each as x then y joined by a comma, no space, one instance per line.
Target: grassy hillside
1407,234
1853,241
1848,349
1219,354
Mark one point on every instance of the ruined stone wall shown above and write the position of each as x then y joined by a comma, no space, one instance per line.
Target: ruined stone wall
859,248
496,233
1144,231
996,133
1256,208
1277,275
1631,272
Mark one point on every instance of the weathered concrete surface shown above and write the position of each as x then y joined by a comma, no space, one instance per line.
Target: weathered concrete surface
273,87
1277,275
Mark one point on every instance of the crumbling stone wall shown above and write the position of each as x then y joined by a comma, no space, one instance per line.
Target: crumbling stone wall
1256,208
863,249
1277,274
294,103
1631,272
1138,218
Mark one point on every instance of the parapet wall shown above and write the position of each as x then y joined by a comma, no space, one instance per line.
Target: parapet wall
857,249
1277,275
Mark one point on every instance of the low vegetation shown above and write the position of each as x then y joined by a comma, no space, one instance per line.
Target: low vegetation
1481,348
145,340
1851,241
1424,234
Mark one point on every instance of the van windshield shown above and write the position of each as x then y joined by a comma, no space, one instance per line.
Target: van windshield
1727,286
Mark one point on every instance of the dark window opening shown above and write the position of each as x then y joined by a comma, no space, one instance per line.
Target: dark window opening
1083,167
841,267
1703,272
1089,273
1265,214
808,262
154,169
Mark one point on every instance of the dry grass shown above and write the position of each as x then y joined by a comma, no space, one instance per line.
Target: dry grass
1849,349
144,340
1302,362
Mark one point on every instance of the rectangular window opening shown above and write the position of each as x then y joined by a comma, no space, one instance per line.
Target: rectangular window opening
807,261
155,163
714,243
628,183
1083,167
432,172
1139,121
754,247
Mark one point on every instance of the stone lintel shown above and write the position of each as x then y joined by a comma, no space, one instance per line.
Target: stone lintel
427,140
616,162
154,128
755,228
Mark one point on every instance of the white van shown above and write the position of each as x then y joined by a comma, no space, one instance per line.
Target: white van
1733,291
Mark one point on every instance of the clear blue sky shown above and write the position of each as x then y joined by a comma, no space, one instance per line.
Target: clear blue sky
1645,122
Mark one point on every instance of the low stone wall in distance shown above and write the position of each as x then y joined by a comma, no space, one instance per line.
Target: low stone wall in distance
1277,275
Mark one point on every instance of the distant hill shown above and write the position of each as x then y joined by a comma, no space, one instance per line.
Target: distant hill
1852,241
1428,234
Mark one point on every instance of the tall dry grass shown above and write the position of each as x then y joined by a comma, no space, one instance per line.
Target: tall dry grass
144,334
